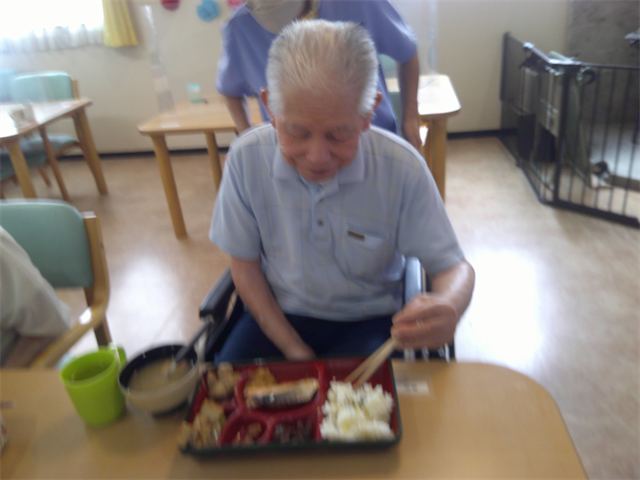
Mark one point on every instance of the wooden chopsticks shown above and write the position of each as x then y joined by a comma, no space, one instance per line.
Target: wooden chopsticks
363,372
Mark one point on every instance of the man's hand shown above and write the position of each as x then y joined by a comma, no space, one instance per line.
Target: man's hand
299,351
427,321
258,298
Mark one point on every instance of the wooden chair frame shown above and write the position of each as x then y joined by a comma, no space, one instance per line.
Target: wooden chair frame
94,317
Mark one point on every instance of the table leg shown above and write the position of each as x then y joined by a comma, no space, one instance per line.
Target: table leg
21,168
53,161
83,143
169,184
89,149
214,157
438,134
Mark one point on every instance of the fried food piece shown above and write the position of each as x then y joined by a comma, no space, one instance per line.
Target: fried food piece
282,394
254,430
260,377
221,385
206,427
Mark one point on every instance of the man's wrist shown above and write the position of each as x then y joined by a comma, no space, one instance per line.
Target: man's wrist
297,350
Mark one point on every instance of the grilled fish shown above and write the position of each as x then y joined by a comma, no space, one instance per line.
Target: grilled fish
286,394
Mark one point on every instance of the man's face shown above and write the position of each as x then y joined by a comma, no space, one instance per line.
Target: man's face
318,136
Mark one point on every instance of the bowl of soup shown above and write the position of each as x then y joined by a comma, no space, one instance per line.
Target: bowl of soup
148,384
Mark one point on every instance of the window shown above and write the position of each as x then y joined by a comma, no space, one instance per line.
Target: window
38,25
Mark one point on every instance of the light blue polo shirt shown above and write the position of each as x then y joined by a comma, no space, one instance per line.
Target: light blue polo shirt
243,62
333,250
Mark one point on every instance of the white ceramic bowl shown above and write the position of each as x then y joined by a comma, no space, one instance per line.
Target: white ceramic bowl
167,398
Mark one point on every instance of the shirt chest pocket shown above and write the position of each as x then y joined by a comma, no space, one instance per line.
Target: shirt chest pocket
365,254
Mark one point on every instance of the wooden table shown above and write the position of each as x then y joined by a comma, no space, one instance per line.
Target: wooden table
188,118
45,114
475,421
437,101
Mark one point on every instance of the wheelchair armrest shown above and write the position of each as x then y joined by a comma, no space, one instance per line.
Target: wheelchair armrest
413,285
216,301
412,279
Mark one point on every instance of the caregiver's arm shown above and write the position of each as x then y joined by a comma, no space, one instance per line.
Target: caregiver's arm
258,298
239,112
408,79
26,349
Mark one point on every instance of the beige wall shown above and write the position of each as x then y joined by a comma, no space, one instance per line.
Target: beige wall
470,49
120,83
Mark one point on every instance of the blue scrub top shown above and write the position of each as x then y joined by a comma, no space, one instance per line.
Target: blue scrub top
242,67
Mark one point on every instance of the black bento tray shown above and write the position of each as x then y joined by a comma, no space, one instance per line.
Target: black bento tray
239,416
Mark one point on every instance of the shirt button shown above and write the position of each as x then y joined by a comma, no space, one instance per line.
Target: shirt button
320,223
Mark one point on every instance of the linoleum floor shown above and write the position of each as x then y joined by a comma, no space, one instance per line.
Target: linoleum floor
557,295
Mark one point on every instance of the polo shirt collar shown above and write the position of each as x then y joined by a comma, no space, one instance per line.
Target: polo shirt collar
281,169
352,173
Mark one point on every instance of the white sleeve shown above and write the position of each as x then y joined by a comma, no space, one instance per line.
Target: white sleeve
28,304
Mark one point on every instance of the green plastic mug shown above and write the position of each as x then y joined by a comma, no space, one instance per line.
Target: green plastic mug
92,383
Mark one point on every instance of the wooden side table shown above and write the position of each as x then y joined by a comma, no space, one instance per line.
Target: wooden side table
206,118
437,101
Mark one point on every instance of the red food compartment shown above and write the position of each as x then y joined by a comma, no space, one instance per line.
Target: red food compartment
296,430
288,427
244,429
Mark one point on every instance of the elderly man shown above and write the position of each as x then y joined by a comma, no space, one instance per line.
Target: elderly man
319,209
252,27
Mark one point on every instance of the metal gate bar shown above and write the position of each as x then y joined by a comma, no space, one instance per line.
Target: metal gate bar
573,130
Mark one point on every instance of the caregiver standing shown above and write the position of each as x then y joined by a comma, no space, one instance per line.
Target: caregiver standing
252,28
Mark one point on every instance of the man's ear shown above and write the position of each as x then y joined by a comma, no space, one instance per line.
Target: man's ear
376,104
264,97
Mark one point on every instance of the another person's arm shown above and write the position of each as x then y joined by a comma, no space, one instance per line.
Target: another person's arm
25,350
430,319
258,298
31,312
238,109
408,79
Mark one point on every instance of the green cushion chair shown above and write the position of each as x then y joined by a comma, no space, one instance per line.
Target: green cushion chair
66,246
37,88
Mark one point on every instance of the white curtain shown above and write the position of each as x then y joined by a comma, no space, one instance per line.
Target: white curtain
40,25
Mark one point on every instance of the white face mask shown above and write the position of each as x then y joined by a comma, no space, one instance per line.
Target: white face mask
274,15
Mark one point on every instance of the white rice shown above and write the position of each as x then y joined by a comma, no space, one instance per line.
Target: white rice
361,414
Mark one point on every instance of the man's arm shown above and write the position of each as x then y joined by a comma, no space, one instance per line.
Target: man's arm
408,79
430,319
257,296
238,109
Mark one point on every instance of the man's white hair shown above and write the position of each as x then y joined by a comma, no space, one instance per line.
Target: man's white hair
319,58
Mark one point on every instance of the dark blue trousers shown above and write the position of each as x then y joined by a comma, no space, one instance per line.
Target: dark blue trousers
326,338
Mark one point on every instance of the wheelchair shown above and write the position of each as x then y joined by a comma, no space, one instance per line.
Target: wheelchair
222,307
